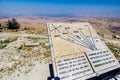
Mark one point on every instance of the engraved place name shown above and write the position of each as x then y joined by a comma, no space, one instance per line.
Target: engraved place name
65,32
73,67
56,35
67,27
76,31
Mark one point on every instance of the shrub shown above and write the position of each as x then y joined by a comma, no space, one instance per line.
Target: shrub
13,24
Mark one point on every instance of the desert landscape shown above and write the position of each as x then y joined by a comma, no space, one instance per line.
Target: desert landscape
25,53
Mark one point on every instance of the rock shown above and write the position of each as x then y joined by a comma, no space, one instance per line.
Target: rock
47,44
43,50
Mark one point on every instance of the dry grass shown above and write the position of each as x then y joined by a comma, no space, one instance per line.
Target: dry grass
115,50
27,48
47,54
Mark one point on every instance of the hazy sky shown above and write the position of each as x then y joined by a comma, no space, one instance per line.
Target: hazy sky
100,8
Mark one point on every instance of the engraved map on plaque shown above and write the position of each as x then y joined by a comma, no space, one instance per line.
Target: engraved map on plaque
78,53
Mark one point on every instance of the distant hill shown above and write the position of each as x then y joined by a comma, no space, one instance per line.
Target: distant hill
106,26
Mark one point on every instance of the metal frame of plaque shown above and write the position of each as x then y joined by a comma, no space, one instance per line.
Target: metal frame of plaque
77,52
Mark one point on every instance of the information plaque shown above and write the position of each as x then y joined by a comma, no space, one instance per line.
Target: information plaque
77,52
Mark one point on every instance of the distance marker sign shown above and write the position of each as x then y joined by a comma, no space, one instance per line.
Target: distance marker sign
77,52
